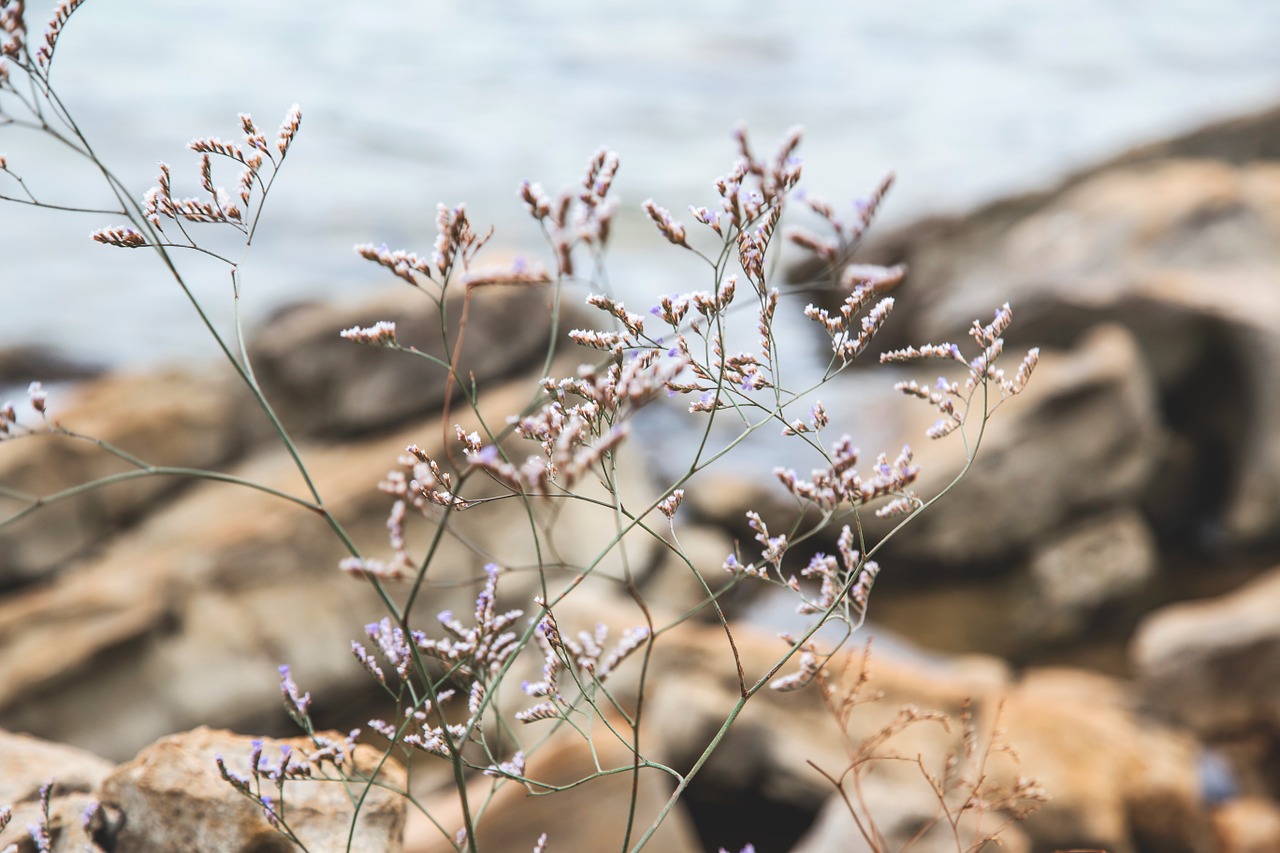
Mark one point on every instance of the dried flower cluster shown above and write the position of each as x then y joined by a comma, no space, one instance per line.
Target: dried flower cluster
159,203
847,342
456,245
581,217
266,773
841,483
846,233
61,14
584,653
951,398
381,333
13,25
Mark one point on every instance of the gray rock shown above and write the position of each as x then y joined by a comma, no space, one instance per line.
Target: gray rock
1214,665
184,620
1084,435
323,385
1185,254
1104,562
27,363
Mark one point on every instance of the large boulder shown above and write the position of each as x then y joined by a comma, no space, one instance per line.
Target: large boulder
592,814
1185,254
1214,665
1085,435
184,620
323,385
1101,565
171,418
173,798
1115,780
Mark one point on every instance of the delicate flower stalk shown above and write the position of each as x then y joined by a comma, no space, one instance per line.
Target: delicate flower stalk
444,680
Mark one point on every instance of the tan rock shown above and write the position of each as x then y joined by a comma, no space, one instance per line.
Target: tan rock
1101,563
1248,825
1085,433
27,763
69,830
836,830
167,419
184,620
1115,780
592,816
173,798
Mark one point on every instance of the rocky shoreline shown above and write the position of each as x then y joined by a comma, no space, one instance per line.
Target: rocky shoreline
1129,500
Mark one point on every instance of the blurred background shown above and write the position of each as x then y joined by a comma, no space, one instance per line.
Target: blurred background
410,104
1108,570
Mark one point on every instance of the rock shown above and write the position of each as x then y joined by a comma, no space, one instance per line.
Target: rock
1115,780
75,824
1182,252
323,385
592,816
26,363
1085,435
836,831
1214,665
676,583
1248,825
1101,563
168,419
27,763
184,620
173,798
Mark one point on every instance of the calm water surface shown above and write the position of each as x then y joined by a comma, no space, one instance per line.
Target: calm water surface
406,104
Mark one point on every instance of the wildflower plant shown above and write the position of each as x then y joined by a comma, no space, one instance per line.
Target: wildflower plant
973,805
442,675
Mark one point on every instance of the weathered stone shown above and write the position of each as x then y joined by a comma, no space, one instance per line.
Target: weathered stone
183,621
1248,825
69,830
1214,665
167,419
1115,780
1083,436
1185,254
904,817
677,582
27,763
324,385
173,798
1101,563
592,816
26,363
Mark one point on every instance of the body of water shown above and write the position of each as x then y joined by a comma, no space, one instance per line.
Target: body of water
407,104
